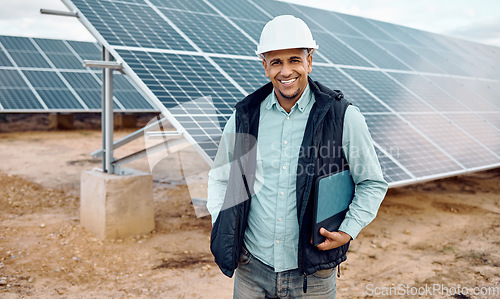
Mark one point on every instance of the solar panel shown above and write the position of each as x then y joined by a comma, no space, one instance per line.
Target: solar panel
48,75
411,58
247,72
379,56
363,25
392,172
453,140
431,102
477,126
339,52
212,34
354,93
388,91
232,11
461,93
416,153
15,91
491,118
428,92
331,21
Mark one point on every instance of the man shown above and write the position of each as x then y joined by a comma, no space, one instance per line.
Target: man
280,139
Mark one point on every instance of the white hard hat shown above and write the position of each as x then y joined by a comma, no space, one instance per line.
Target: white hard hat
285,32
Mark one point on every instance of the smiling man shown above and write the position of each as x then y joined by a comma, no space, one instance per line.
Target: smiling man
279,141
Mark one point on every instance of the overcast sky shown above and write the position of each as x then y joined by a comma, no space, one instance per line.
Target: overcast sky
477,20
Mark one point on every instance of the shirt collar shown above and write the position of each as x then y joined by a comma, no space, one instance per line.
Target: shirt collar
301,104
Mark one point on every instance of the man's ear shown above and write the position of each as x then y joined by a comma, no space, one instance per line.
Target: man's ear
264,64
309,63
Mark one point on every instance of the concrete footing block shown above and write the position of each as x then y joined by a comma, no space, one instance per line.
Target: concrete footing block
116,206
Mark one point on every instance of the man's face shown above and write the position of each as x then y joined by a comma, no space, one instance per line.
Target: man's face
288,71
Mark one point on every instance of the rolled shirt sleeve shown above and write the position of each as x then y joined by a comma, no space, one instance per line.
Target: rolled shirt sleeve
366,172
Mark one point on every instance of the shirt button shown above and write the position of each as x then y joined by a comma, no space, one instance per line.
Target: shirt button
284,167
285,142
277,242
279,219
288,117
282,193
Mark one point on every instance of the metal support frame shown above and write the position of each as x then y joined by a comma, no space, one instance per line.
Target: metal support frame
107,65
131,137
61,13
172,146
108,115
112,65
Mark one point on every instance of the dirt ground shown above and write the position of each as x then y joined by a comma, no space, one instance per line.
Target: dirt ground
444,233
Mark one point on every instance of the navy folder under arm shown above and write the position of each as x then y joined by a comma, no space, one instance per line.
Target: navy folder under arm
332,196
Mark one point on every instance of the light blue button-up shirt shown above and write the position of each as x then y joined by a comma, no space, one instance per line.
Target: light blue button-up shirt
272,234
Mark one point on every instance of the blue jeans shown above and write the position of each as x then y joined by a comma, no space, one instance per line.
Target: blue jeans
255,279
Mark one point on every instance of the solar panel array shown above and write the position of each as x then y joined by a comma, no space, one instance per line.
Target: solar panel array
48,75
432,102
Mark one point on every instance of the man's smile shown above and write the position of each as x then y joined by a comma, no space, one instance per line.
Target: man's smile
288,82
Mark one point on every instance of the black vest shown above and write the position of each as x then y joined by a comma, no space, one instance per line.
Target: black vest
321,153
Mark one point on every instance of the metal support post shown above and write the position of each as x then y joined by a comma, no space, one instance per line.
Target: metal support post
107,65
108,114
103,108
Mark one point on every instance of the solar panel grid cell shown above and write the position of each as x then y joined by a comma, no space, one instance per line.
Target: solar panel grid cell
388,91
407,146
191,6
29,59
477,127
492,118
375,54
249,74
451,139
411,58
15,94
429,93
228,8
330,21
337,52
11,79
41,79
465,96
397,33
212,34
355,94
86,50
143,27
438,58
367,28
19,99
4,60
182,78
86,86
392,172
276,8
484,89
52,46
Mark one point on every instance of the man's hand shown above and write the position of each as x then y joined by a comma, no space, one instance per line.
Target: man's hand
333,239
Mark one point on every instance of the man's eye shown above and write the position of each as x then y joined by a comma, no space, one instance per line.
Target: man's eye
275,63
295,60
